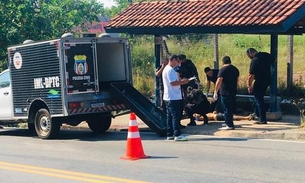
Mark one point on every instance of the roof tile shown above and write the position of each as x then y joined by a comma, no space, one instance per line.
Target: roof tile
201,13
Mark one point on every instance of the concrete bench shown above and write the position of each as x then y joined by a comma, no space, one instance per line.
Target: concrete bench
271,116
250,98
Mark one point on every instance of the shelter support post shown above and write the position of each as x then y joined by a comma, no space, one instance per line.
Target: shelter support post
216,52
290,64
158,41
273,113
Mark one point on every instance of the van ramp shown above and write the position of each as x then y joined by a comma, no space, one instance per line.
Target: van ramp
151,115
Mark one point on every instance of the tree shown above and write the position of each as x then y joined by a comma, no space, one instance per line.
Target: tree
42,19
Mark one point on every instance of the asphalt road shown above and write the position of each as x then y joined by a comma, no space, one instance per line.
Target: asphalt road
81,156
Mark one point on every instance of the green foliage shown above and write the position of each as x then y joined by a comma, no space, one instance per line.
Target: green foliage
297,89
42,19
143,64
201,52
144,85
190,38
246,41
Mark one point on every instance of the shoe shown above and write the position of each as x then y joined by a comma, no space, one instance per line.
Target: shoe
182,126
226,128
170,138
192,123
260,122
180,138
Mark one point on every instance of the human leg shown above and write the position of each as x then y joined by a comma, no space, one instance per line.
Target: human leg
237,117
211,116
227,101
176,112
256,110
261,111
189,112
176,116
205,117
259,92
169,126
182,103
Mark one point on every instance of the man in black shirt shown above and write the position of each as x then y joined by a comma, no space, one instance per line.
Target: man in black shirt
227,84
259,79
188,70
211,75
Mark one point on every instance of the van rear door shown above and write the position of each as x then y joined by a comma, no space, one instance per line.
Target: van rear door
80,59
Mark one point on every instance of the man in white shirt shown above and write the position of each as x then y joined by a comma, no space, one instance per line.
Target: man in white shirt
173,98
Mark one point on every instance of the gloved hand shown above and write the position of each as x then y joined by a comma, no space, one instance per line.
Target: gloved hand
192,78
215,96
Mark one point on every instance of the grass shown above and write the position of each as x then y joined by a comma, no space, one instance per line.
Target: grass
201,52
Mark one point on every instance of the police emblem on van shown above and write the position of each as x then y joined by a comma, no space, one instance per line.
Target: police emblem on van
17,60
80,64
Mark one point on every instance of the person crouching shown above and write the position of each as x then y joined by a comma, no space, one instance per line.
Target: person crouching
196,102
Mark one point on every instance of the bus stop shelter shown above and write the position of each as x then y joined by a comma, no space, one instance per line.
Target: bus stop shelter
268,17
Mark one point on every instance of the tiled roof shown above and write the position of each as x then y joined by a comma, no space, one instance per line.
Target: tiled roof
210,16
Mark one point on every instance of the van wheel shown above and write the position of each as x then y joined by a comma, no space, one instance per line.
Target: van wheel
44,126
99,123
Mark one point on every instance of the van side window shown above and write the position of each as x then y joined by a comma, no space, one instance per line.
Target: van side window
5,80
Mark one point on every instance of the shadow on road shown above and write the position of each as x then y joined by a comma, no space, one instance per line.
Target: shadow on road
82,135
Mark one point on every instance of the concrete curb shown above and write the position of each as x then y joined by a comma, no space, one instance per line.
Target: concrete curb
285,129
281,135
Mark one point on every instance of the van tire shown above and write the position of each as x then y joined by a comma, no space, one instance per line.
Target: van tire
99,124
44,126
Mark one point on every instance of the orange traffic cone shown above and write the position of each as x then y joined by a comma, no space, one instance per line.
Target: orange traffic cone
134,149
